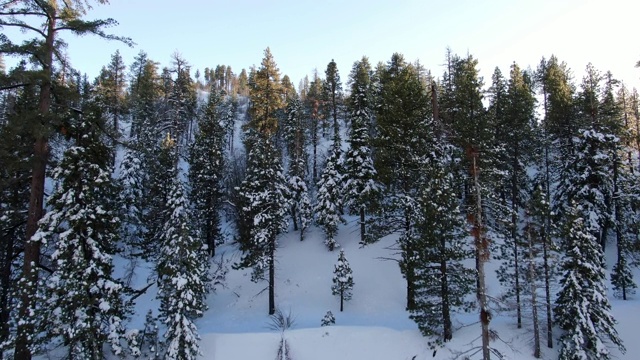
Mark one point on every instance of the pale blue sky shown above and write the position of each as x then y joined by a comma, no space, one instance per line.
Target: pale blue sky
304,35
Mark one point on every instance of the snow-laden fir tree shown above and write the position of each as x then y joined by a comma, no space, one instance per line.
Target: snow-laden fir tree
329,200
582,309
132,180
265,205
328,319
183,270
206,167
301,209
442,281
362,190
82,301
295,140
342,279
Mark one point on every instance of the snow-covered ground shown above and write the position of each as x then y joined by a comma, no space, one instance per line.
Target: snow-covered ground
374,324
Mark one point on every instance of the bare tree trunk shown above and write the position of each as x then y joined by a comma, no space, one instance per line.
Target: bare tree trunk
362,226
482,246
619,238
546,235
534,303
272,276
514,234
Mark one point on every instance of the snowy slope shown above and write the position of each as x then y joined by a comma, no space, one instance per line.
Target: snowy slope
374,324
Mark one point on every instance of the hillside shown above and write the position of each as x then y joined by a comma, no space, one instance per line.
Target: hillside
374,324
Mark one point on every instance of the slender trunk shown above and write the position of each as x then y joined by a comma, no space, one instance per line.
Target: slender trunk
482,246
409,271
362,227
314,140
272,275
619,238
294,217
547,228
514,233
36,198
534,303
341,300
447,333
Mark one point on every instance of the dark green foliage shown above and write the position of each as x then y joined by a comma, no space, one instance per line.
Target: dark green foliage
82,302
183,270
582,309
206,170
342,279
442,281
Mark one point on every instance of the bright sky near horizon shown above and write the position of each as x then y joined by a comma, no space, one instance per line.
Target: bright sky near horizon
305,35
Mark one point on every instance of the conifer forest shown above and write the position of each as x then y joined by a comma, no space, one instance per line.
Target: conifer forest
137,207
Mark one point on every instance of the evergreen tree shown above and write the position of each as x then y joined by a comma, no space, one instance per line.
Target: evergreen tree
56,17
181,101
144,96
517,131
295,139
15,152
111,92
266,96
582,309
401,139
132,182
362,190
183,270
329,203
83,301
206,172
342,280
333,93
265,193
314,109
442,281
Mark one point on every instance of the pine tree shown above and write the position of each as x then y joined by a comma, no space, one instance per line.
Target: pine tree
329,203
181,101
265,193
362,189
342,280
131,197
183,271
333,93
206,172
314,110
15,152
401,139
266,96
328,319
582,309
83,301
111,92
144,97
56,18
442,281
517,131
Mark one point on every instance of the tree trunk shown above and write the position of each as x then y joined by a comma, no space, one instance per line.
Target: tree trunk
272,276
546,230
447,333
482,252
362,227
341,300
619,238
294,217
514,233
534,303
36,198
